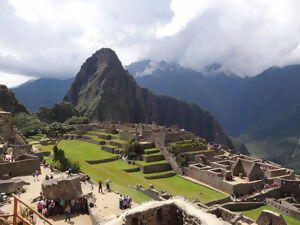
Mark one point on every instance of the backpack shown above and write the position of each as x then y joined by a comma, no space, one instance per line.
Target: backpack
40,206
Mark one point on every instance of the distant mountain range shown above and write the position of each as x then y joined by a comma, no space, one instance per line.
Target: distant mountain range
262,111
44,91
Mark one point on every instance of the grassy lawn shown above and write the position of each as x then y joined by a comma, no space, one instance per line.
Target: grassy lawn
254,214
80,151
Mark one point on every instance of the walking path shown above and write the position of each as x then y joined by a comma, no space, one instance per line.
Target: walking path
107,203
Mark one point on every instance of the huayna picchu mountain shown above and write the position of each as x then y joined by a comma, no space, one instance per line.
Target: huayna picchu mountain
103,90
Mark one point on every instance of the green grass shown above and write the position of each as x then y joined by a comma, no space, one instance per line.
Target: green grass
254,214
150,149
80,151
143,163
153,154
35,138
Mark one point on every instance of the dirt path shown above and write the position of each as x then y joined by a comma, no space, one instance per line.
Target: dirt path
107,203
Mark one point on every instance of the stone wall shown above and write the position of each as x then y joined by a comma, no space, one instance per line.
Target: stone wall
242,206
291,187
216,180
155,168
10,186
283,208
20,168
170,212
153,158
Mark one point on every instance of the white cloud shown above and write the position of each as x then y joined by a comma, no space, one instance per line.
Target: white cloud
13,80
53,38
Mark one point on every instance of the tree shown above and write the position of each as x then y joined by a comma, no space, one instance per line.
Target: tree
133,149
56,131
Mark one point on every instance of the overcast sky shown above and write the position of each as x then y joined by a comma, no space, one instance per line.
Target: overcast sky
52,38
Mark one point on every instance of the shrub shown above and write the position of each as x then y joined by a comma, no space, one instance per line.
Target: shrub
64,163
133,149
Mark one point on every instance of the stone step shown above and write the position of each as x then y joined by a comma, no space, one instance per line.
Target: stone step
151,151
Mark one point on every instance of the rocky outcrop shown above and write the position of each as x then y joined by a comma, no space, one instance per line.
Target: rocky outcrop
68,188
103,90
269,217
9,102
10,185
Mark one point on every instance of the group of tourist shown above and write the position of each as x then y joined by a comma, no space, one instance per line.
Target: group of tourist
124,202
8,159
49,207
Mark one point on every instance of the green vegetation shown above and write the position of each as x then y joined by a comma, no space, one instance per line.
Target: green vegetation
133,149
56,131
153,154
77,120
63,163
254,214
60,112
81,151
28,124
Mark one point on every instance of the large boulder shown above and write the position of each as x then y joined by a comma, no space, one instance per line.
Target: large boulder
67,188
10,185
269,217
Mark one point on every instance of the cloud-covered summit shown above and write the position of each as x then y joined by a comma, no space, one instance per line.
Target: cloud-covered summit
53,38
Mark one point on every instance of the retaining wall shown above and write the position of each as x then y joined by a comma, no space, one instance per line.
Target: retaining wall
20,168
283,209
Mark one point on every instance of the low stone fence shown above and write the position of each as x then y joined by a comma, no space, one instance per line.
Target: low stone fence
20,168
242,206
101,160
171,174
132,170
283,208
117,144
153,193
219,201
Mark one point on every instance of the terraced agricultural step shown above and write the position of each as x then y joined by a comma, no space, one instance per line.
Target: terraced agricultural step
131,170
153,157
160,175
151,151
153,167
108,148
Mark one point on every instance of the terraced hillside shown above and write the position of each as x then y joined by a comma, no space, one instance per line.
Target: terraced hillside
97,153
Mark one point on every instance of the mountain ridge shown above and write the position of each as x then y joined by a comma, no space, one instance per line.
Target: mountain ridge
103,90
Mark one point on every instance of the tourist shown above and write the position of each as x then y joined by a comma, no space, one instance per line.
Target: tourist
62,205
70,172
51,208
78,204
120,202
40,207
47,177
67,211
51,176
37,175
125,202
72,205
107,187
100,187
